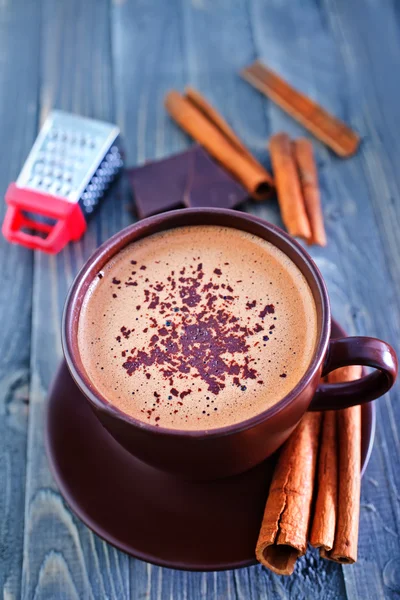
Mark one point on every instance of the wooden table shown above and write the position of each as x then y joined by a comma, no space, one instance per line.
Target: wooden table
115,61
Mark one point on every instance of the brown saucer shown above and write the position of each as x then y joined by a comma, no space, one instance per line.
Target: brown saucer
147,513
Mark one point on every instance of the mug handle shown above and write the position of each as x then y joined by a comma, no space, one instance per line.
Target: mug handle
366,351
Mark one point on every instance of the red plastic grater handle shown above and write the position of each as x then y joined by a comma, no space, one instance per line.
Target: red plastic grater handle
70,222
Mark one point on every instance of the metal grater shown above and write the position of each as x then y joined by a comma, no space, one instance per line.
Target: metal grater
70,167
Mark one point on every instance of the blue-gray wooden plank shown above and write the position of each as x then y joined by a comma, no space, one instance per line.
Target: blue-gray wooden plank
360,260
19,84
62,558
368,38
148,59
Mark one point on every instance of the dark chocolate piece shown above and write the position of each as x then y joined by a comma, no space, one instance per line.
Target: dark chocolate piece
208,184
190,179
158,185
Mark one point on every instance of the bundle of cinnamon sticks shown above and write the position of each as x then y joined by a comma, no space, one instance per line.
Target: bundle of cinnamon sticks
314,496
296,180
294,165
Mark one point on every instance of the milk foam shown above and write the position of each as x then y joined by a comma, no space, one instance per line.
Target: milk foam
197,327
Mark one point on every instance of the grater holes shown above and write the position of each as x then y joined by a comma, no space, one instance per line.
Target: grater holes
65,189
56,187
47,170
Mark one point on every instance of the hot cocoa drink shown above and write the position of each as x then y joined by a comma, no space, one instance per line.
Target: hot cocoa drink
197,327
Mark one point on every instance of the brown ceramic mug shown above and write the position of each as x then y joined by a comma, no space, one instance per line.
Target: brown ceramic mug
235,448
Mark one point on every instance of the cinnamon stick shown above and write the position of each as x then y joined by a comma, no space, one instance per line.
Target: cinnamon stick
327,128
324,520
307,169
203,123
214,117
288,187
283,534
349,426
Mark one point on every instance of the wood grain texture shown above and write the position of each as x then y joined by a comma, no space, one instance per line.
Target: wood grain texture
148,60
115,60
19,53
358,260
62,558
370,52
